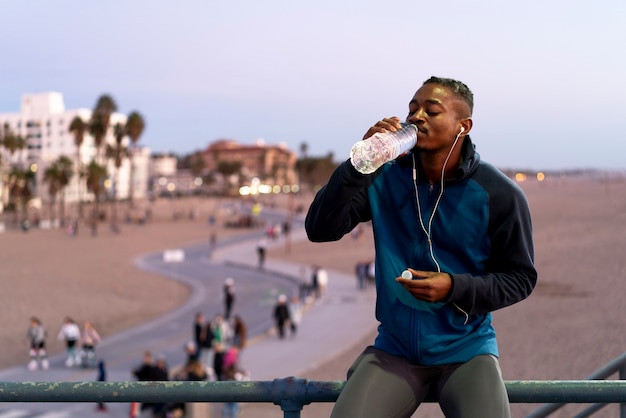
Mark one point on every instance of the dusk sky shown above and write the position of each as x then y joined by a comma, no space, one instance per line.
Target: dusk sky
549,77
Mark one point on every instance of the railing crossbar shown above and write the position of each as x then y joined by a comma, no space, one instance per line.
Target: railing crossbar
282,391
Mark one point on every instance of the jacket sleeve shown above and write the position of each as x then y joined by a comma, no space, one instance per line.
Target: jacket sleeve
510,275
340,205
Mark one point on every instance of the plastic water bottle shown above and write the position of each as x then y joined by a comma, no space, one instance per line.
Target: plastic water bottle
371,153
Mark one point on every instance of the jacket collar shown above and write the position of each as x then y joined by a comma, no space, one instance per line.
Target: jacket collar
469,161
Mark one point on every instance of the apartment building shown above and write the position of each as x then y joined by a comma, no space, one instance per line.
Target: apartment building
43,121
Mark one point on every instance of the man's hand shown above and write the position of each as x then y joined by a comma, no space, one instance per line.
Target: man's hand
391,124
429,286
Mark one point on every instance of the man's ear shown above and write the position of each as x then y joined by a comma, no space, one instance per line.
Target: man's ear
466,126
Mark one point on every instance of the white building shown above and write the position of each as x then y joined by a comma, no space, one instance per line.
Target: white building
44,122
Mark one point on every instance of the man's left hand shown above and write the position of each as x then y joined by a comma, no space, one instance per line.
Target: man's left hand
429,286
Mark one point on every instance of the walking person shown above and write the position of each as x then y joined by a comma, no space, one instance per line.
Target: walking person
102,377
70,333
233,372
460,232
315,284
360,270
239,333
198,330
221,336
261,248
322,281
89,339
295,314
206,340
281,315
229,297
37,338
161,374
145,372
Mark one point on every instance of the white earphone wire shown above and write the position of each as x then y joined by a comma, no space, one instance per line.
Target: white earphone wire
428,231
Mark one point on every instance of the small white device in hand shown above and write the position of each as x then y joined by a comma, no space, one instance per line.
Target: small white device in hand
406,275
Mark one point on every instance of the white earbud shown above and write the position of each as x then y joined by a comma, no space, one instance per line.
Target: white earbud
462,130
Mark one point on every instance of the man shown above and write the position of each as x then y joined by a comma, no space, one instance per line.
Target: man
463,231
144,373
260,249
229,297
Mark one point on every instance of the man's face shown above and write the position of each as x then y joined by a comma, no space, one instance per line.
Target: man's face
436,112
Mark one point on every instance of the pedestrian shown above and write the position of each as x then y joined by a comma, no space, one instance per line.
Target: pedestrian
145,372
261,248
102,377
198,325
281,315
89,339
360,270
193,371
233,372
221,335
322,282
462,231
315,284
160,374
295,314
229,297
286,228
212,243
239,333
371,273
161,369
206,340
191,351
70,333
37,338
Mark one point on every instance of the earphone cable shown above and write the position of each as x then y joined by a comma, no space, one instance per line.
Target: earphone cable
428,231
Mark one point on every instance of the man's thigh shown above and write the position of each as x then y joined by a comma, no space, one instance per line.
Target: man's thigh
475,390
380,385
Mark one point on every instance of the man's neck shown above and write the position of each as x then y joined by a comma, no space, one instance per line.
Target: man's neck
432,166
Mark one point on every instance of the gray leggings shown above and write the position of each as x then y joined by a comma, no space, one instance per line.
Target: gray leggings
384,386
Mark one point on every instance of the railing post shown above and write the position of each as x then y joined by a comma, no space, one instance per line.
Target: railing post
622,376
289,394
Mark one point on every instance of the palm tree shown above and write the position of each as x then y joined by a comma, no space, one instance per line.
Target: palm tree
117,153
78,128
20,192
58,176
100,119
134,128
96,175
51,176
98,131
65,171
12,143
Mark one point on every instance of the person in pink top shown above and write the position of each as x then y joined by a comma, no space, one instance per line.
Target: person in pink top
89,339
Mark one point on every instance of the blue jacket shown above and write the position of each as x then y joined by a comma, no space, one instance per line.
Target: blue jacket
481,235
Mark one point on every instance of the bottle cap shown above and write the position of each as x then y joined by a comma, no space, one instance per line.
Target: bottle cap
406,274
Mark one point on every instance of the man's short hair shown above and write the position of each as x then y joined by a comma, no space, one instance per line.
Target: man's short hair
458,88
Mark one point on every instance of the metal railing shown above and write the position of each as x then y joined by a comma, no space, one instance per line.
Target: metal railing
290,393
618,365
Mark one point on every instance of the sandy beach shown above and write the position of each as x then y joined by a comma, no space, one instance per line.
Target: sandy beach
570,326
